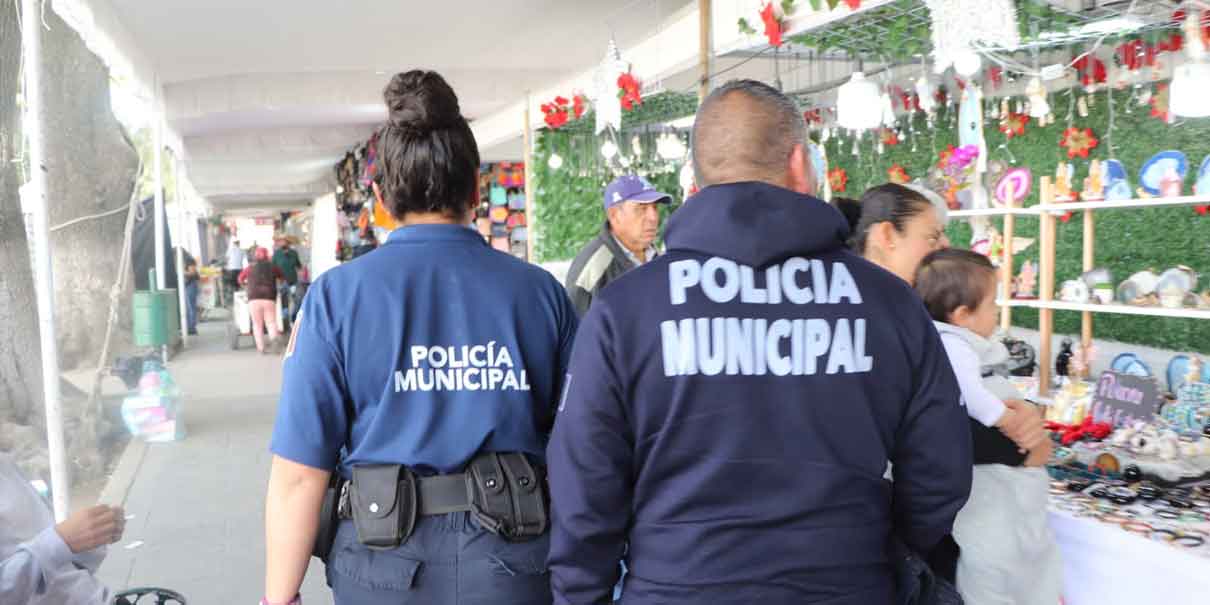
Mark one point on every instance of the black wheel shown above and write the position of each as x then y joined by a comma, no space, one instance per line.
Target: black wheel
149,596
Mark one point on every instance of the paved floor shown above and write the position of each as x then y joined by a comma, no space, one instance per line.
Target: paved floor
198,504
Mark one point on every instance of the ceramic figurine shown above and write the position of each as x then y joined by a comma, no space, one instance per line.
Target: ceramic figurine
1063,360
1171,184
1094,183
1074,291
1062,188
1026,281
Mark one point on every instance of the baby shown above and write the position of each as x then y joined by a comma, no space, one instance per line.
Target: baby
1006,551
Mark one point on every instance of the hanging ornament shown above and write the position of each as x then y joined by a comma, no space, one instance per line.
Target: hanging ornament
609,150
995,77
926,99
1039,107
1013,125
896,174
1091,72
1160,103
889,137
880,148
604,94
770,16
670,146
554,161
1078,142
577,105
1082,107
961,26
636,144
555,113
943,157
838,180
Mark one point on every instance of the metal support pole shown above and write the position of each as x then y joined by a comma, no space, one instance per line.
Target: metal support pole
181,222
527,142
158,167
35,126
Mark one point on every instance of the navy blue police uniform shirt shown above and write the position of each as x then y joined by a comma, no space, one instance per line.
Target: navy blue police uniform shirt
425,352
731,409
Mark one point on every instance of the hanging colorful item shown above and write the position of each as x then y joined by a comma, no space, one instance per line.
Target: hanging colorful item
896,174
959,26
995,77
773,25
813,117
1013,125
889,137
604,92
943,157
578,104
838,180
1091,71
1159,102
1078,142
628,91
957,168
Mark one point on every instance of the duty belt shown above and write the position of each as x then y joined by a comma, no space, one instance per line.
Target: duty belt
437,495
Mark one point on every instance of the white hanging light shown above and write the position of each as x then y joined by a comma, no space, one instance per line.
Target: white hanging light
858,104
1039,107
555,161
670,147
637,145
1190,89
609,150
1191,81
967,63
924,90
888,110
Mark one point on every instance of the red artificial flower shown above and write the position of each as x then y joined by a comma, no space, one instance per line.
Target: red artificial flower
555,113
773,29
896,174
1203,210
944,156
889,137
1130,55
1013,125
995,76
1159,102
1078,142
1091,70
853,4
838,179
560,101
578,106
1067,216
812,117
628,91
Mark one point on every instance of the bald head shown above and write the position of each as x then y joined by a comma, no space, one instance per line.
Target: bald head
749,131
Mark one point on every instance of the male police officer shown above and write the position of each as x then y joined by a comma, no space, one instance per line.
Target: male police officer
626,241
730,435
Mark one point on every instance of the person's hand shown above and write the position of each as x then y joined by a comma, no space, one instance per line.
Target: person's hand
92,528
1023,423
1040,455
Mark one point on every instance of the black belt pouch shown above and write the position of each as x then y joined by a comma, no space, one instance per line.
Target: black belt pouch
508,496
383,504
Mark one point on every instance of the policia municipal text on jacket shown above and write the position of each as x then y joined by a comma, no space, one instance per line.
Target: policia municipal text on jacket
426,374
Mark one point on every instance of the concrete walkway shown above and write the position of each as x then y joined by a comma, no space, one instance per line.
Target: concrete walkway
198,504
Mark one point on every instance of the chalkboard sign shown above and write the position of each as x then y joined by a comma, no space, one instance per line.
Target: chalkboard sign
1123,398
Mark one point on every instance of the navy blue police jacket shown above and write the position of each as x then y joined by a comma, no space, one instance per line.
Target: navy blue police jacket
424,352
730,411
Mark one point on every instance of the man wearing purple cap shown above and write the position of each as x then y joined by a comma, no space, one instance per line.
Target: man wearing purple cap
626,241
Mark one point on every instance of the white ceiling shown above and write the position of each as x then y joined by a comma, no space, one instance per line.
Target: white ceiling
268,95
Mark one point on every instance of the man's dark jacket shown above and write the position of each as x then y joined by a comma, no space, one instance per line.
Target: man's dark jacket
730,410
601,261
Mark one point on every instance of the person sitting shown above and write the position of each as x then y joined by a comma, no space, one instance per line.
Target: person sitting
42,563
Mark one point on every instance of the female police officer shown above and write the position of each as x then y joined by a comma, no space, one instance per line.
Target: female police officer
427,374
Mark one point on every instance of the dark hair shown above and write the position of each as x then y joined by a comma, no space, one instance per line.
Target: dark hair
891,203
951,278
428,158
850,208
751,143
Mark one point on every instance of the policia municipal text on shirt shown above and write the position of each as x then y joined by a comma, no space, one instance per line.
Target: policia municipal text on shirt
426,373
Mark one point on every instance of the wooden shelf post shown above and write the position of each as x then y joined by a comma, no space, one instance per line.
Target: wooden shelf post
1006,265
1089,261
1046,288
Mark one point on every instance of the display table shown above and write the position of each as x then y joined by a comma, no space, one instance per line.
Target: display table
1104,565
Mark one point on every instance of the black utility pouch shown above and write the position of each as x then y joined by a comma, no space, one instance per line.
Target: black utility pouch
508,496
384,504
329,518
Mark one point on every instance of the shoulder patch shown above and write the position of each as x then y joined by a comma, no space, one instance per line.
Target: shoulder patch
595,269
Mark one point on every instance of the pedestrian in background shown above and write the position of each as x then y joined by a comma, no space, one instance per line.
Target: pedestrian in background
260,280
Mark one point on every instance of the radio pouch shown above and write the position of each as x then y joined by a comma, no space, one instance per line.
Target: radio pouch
384,504
508,496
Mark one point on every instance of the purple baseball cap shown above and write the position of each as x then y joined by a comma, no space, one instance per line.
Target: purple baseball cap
633,189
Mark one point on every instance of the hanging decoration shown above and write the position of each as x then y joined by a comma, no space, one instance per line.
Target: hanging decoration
959,27
896,174
556,113
1078,142
1160,102
838,180
1013,125
604,95
926,99
813,117
890,138
995,77
957,168
1091,72
859,104
773,24
1039,107
578,103
628,91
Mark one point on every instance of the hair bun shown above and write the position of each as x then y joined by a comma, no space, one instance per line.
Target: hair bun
421,102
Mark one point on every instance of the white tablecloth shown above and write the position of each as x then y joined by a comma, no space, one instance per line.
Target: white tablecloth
1105,565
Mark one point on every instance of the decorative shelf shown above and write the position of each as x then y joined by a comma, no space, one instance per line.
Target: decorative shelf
1155,202
1032,210
1120,309
1016,302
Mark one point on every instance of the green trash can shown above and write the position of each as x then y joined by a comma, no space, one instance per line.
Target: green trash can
157,320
